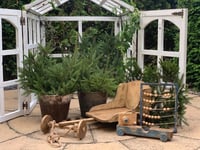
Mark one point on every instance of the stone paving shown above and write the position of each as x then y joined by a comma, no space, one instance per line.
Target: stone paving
24,133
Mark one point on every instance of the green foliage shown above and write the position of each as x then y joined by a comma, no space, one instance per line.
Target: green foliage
14,4
42,75
98,36
92,77
151,74
129,28
193,58
132,70
106,48
33,73
183,99
64,34
153,5
170,71
99,80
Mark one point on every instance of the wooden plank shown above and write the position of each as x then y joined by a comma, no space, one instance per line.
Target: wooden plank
80,18
127,118
109,115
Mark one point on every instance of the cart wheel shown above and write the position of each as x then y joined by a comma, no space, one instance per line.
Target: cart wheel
45,128
120,132
163,137
82,129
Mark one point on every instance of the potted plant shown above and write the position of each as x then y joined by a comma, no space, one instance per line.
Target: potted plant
94,84
51,80
95,89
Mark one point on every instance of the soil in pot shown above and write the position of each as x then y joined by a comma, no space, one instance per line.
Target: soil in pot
89,99
56,106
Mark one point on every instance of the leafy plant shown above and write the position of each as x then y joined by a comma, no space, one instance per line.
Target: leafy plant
129,27
99,81
151,74
169,71
183,99
93,78
43,75
193,54
108,56
132,70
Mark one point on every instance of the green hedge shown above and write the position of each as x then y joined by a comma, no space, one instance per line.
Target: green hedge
193,54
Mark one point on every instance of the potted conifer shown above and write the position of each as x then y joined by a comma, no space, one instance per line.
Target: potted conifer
95,84
51,80
94,89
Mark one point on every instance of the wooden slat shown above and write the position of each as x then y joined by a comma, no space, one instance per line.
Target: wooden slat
80,18
108,115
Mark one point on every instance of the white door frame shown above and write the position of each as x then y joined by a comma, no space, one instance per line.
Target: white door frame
33,34
13,17
28,34
179,17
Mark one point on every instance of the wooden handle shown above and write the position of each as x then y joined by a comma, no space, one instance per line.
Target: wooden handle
65,123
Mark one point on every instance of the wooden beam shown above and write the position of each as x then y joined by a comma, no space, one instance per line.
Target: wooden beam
124,4
102,2
80,18
108,6
30,5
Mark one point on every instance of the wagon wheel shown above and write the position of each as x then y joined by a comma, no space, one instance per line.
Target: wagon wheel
44,126
119,131
82,129
163,137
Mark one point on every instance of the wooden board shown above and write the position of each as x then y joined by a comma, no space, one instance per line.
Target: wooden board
127,119
163,135
108,115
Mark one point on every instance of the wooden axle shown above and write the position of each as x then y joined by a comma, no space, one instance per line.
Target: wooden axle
65,123
77,126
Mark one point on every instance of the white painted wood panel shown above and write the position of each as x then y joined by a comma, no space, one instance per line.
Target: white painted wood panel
176,16
12,17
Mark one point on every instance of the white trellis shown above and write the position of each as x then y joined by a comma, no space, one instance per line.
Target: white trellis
13,17
43,6
176,16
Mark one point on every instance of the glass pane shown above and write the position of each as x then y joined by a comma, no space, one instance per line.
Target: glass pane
8,35
9,67
11,98
151,35
171,37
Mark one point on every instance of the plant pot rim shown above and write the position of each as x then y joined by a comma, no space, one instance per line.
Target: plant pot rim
56,98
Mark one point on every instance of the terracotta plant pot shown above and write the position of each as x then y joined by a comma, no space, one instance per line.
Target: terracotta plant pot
89,99
56,106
